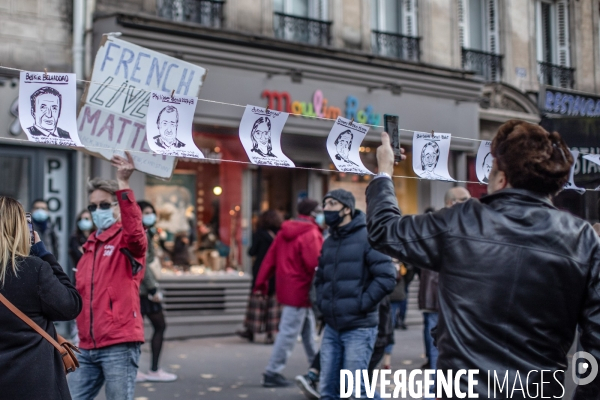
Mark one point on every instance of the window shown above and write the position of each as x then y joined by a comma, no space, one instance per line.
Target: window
203,12
302,21
553,50
479,38
394,27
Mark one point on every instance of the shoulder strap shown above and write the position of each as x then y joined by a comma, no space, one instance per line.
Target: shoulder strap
32,324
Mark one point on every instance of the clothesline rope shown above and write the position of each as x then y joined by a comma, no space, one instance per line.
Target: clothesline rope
247,162
240,105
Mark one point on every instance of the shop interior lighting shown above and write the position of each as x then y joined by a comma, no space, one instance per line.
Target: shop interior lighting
217,190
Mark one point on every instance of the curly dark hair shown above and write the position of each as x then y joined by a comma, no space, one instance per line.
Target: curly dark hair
270,220
531,157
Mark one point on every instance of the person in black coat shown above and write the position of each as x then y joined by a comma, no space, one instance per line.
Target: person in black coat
30,367
84,227
262,315
351,281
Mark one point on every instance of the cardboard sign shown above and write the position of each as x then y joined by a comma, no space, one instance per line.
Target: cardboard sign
343,144
122,81
47,108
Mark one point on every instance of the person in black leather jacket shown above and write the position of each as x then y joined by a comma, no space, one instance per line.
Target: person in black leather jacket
516,274
351,280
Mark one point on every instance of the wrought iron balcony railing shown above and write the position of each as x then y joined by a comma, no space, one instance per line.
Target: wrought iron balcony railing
487,65
203,12
301,29
556,75
397,46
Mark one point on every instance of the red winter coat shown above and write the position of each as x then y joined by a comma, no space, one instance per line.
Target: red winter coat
105,280
293,258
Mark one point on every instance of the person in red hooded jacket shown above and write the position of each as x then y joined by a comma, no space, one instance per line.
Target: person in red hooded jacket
293,258
108,278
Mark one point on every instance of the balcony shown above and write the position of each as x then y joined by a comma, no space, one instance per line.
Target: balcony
302,29
556,75
203,12
396,46
487,65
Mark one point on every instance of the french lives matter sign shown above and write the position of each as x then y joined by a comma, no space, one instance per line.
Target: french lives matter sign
112,118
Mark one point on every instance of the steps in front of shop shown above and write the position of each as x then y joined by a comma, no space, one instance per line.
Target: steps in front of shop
196,307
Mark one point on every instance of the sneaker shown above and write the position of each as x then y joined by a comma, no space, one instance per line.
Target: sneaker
140,377
160,376
308,386
271,380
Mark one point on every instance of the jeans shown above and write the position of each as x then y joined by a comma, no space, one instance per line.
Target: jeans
294,321
430,321
395,308
344,350
114,365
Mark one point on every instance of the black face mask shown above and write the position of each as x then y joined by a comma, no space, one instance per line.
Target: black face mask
333,218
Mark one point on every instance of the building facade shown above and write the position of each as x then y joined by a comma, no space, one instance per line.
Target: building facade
453,66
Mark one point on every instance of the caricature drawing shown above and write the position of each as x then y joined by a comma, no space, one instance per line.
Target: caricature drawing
430,155
167,122
486,167
343,144
46,104
261,137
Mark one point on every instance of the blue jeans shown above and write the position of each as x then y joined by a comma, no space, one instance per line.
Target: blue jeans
114,365
395,310
350,350
430,321
294,321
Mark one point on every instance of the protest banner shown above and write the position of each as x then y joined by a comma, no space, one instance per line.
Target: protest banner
113,114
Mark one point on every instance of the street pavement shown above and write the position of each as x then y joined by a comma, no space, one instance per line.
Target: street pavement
231,368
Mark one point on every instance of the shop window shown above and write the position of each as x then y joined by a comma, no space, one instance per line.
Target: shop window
553,44
394,29
479,38
305,21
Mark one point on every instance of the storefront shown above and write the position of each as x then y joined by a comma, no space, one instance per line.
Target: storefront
576,116
208,209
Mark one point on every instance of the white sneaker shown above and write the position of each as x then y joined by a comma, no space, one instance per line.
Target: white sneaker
160,376
140,377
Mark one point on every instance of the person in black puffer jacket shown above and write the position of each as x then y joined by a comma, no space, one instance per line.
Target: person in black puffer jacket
352,279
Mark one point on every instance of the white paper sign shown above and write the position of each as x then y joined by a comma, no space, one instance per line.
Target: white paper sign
430,155
570,185
47,108
484,161
108,133
260,134
124,75
343,144
169,125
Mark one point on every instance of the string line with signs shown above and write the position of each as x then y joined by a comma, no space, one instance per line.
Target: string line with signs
242,106
115,87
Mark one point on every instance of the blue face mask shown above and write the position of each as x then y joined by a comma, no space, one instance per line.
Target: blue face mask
320,219
85,224
40,215
149,219
103,219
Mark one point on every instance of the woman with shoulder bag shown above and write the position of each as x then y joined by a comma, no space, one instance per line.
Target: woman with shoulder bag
34,283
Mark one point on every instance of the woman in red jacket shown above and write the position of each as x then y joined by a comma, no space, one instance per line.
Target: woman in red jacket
108,278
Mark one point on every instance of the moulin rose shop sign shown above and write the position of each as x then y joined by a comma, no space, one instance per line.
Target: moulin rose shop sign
319,106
